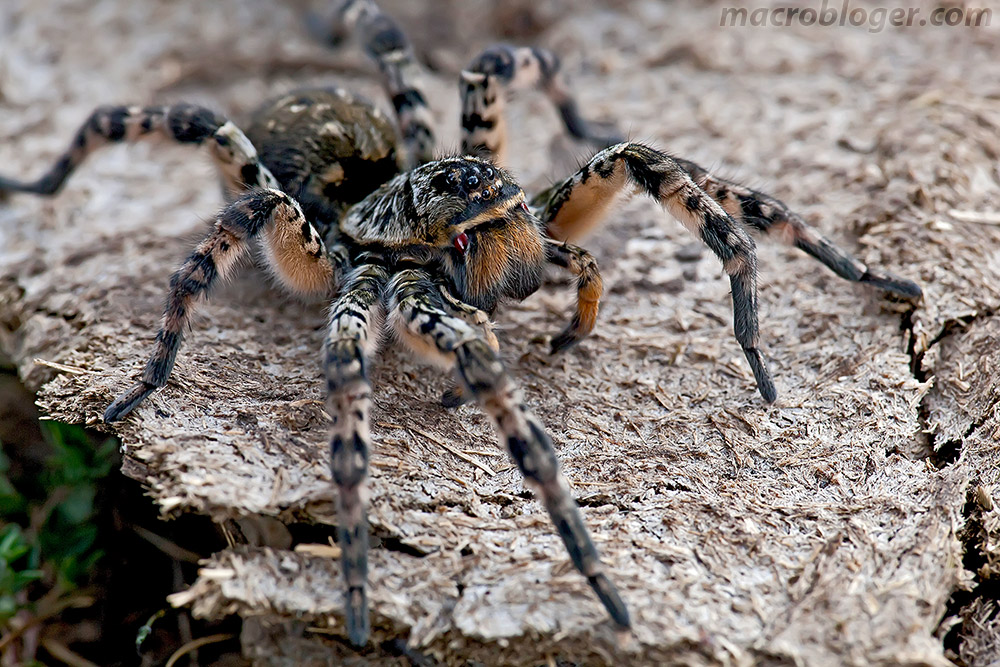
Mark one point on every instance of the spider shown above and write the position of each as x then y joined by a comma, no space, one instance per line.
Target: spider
345,203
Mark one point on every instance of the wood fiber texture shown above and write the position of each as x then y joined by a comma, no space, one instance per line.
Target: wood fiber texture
826,529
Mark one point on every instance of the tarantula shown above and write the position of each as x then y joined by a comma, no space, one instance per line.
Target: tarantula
423,250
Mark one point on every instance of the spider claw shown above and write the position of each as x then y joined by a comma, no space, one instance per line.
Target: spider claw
563,341
454,397
893,283
358,627
127,401
761,374
612,601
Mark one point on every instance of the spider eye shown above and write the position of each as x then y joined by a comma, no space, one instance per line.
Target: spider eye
471,181
461,242
489,173
454,179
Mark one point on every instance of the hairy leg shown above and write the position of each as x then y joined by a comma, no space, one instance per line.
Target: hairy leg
352,338
589,288
232,152
502,68
402,75
572,207
770,216
417,317
456,394
292,248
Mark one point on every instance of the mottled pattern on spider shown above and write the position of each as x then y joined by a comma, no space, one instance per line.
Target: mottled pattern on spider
422,251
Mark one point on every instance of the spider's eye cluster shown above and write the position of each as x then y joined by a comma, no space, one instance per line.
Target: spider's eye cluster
468,179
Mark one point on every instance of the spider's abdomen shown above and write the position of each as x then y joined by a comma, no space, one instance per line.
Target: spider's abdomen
327,148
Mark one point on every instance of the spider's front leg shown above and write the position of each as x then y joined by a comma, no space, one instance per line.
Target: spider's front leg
231,150
767,215
574,206
352,338
418,317
292,249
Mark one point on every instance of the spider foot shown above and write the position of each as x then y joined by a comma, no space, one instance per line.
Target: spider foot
358,627
612,601
454,397
128,400
761,374
893,283
568,338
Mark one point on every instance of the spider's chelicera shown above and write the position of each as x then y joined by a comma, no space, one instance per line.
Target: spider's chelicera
425,249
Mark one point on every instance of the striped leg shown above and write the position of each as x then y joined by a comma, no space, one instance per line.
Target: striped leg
572,207
417,317
352,338
503,68
589,288
184,123
292,248
402,75
772,217
456,395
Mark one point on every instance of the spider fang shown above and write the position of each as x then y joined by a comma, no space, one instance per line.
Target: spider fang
461,242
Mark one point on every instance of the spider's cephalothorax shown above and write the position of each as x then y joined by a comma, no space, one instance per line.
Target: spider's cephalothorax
466,218
421,251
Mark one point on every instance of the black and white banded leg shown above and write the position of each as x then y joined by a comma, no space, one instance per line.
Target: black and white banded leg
456,394
418,318
572,207
503,68
402,75
233,153
352,339
770,216
292,250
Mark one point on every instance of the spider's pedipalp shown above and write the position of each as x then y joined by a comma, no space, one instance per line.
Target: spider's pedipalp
402,75
233,153
589,288
768,215
352,338
575,205
423,325
296,256
502,68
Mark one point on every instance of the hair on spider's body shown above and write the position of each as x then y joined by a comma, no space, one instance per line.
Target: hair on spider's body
421,251
464,216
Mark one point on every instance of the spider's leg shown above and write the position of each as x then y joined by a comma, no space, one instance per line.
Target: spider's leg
402,75
292,248
352,338
456,395
417,317
572,207
589,288
502,68
232,151
763,213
